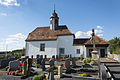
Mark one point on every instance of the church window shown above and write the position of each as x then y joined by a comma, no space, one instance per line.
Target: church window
78,51
42,47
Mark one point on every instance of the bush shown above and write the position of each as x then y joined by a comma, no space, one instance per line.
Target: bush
117,51
92,62
64,57
39,77
83,75
86,60
37,65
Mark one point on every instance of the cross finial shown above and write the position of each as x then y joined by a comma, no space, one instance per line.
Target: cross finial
93,33
54,8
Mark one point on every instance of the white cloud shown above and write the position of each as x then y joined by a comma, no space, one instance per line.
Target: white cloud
16,41
18,35
3,14
98,32
9,2
99,27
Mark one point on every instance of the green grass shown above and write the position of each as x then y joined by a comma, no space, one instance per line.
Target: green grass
112,59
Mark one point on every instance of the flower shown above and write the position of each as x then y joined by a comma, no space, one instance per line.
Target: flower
21,64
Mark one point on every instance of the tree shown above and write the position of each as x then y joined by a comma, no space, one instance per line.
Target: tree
115,45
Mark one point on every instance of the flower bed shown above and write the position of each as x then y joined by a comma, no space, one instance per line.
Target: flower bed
86,77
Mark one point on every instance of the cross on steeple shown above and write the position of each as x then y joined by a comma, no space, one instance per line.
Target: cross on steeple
54,8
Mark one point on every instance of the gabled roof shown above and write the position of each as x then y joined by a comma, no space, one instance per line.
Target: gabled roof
45,33
80,41
87,41
98,41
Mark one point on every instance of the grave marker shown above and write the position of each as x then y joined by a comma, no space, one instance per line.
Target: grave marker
14,65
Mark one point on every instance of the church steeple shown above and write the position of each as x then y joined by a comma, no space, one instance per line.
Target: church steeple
54,20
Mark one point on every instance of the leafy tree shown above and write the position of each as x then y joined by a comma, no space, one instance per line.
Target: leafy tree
114,45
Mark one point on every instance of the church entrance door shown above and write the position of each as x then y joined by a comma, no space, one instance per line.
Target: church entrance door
102,52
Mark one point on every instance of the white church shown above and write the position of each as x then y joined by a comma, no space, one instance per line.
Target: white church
59,40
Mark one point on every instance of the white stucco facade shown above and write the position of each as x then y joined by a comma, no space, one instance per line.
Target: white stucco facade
33,48
65,42
52,47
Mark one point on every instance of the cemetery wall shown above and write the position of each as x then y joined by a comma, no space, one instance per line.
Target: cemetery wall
114,56
33,48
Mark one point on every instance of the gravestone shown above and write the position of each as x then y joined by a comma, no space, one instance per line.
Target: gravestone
41,56
24,68
67,65
37,56
32,57
23,59
26,57
59,71
56,56
43,64
53,56
51,71
14,65
29,65
45,56
103,72
4,62
70,55
73,62
86,66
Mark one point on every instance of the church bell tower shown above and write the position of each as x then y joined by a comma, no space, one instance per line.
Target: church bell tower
54,19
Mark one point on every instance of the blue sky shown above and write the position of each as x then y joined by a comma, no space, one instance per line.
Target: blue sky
19,17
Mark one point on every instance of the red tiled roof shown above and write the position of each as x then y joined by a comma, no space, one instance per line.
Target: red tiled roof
80,41
45,33
98,41
87,41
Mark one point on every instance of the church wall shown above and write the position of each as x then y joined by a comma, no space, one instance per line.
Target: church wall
82,50
66,42
33,48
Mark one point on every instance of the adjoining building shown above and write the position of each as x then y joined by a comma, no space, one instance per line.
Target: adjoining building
59,40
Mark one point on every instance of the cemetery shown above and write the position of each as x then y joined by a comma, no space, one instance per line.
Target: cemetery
42,68
58,67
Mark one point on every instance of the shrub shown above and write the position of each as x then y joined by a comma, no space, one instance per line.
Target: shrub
83,75
92,62
37,65
117,51
86,60
39,77
64,57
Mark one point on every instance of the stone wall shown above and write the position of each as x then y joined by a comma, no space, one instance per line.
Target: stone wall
114,56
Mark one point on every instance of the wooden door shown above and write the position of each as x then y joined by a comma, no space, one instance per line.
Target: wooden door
102,52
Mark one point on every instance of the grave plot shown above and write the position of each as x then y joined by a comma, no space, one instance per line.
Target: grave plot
62,68
66,68
19,69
